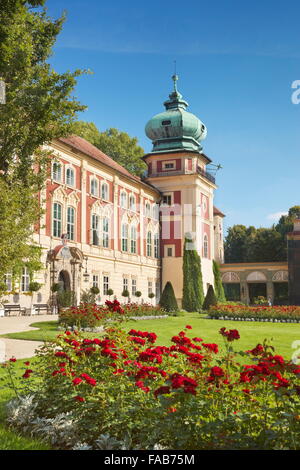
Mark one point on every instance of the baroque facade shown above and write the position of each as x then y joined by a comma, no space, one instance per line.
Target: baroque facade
105,227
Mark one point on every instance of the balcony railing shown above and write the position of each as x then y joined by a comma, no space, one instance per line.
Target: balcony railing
206,175
201,172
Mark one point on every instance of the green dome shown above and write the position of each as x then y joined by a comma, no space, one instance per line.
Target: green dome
175,128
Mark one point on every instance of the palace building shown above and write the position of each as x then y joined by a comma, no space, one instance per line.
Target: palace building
105,227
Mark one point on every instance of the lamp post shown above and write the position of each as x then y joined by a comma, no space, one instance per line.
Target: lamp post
86,275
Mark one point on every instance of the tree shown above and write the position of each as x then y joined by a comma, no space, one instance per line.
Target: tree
168,301
235,244
210,298
219,290
39,108
192,295
116,144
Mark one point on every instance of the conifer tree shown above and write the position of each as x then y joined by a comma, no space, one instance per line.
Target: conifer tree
210,298
192,296
219,289
168,300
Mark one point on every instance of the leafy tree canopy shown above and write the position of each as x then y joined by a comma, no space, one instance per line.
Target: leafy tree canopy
249,244
117,144
39,108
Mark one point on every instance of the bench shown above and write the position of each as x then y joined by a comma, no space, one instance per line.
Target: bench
44,308
13,308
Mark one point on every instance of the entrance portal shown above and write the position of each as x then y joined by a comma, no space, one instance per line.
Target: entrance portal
64,281
257,289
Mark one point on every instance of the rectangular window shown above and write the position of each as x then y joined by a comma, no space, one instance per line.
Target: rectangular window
150,287
95,229
167,200
157,290
105,285
169,251
95,280
133,240
125,283
105,233
124,237
156,245
70,177
56,172
133,287
57,220
71,223
25,280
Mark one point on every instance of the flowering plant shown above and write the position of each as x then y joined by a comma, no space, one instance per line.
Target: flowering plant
124,384
291,312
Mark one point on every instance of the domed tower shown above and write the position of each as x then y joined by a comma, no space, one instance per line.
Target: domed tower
177,167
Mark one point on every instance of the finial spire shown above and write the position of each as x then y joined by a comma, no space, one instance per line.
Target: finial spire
175,77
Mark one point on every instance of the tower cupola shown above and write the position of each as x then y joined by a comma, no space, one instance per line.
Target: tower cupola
175,128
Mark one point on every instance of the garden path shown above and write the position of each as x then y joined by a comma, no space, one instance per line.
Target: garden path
20,349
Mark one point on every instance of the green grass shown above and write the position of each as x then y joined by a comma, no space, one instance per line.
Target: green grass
282,334
9,439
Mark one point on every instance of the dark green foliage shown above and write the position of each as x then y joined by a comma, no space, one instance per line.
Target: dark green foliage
39,108
138,293
219,290
168,301
192,296
95,290
210,298
125,293
249,244
117,144
110,292
34,286
151,295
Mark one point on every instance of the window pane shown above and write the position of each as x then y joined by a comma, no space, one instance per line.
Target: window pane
71,223
56,222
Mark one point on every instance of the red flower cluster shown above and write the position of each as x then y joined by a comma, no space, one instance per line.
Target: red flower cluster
151,337
114,306
230,335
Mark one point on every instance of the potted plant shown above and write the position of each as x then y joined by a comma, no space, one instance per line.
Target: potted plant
33,287
110,292
125,293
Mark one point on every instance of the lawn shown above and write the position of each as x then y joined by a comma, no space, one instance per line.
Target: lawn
282,335
11,440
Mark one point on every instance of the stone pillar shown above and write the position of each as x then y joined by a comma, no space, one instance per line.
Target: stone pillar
270,291
244,292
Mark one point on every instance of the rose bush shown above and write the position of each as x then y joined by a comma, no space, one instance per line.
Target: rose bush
190,395
232,311
92,315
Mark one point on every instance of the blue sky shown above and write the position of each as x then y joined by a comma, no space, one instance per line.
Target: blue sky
236,61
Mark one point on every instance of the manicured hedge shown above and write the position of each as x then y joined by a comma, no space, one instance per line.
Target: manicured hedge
286,314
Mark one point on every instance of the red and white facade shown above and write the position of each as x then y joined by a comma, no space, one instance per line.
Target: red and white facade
123,233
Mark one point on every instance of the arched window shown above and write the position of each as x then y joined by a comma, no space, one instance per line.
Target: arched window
105,232
56,220
124,237
56,172
148,209
95,229
132,202
104,191
70,177
149,244
205,246
94,187
156,245
71,223
133,239
123,200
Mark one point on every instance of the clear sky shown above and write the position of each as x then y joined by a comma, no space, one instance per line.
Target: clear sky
236,61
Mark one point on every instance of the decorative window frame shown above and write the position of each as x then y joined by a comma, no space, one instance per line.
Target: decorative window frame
71,168
94,178
104,184
172,199
69,206
166,247
132,207
205,246
168,162
123,199
61,166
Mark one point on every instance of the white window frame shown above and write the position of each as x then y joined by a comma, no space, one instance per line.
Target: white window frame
171,195
68,183
105,232
123,199
25,280
94,186
169,162
105,284
71,224
95,229
205,246
55,173
104,191
132,206
57,223
124,237
133,239
149,242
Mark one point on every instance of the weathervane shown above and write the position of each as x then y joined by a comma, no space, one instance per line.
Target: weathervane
175,77
215,167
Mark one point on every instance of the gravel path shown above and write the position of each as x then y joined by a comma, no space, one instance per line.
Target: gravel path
20,349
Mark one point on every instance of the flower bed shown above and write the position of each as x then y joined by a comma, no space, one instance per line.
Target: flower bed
260,313
92,315
124,392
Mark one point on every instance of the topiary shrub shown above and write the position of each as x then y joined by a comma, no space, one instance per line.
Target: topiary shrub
95,290
192,295
168,301
151,295
125,293
210,298
110,292
138,293
219,289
